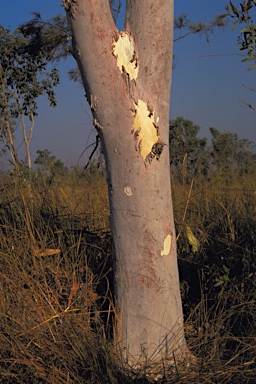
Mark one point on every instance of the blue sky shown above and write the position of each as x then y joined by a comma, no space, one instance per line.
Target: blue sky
207,85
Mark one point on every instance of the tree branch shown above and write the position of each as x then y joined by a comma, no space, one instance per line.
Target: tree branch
144,20
92,28
96,144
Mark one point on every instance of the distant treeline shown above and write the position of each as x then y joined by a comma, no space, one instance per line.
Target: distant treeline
192,156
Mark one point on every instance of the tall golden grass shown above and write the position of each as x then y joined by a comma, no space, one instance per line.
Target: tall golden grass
57,311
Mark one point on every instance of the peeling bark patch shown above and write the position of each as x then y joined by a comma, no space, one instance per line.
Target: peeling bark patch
167,245
144,128
128,190
156,151
123,50
94,103
70,5
97,125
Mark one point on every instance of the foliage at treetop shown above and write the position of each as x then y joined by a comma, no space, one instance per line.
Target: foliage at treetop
247,38
185,27
24,74
53,36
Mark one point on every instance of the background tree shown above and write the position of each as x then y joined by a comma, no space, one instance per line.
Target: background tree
188,153
192,156
231,155
23,78
48,164
224,148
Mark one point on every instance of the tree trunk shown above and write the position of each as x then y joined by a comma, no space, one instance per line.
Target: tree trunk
127,79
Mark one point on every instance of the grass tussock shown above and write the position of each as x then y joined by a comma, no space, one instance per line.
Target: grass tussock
56,307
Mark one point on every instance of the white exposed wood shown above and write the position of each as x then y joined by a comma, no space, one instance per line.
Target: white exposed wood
124,51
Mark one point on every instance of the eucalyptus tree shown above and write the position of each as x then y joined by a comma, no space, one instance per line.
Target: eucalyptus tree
127,78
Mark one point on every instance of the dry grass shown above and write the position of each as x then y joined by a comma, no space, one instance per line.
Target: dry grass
56,308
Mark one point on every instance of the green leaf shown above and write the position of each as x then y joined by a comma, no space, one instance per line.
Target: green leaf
234,24
234,9
252,67
223,15
246,59
244,30
219,282
249,5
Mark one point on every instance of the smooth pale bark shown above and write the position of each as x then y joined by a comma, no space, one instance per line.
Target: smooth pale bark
130,96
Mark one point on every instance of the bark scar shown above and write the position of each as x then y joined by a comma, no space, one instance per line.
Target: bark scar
70,6
124,51
97,125
94,103
167,245
145,131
